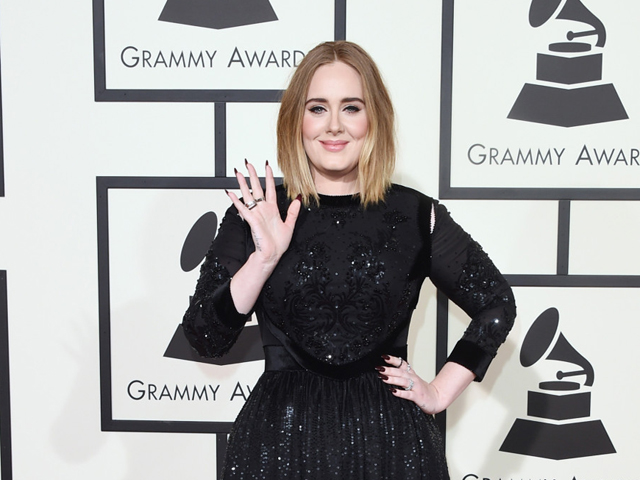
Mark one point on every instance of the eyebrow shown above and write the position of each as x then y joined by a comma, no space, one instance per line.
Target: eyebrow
344,100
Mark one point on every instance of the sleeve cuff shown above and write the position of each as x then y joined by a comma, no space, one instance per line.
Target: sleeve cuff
472,357
225,309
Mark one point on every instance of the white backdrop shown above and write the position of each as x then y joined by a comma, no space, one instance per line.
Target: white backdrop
107,167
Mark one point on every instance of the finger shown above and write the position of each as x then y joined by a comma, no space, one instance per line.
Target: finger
237,203
400,393
394,380
394,375
398,383
270,183
256,188
244,188
395,362
292,213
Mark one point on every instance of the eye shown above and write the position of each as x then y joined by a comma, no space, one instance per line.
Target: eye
317,109
352,109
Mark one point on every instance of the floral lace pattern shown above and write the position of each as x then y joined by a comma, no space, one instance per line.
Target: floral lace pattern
351,279
333,295
488,293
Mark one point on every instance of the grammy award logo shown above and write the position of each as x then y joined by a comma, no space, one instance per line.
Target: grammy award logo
248,347
561,407
569,64
218,14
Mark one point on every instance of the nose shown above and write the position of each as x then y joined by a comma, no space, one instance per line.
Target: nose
335,123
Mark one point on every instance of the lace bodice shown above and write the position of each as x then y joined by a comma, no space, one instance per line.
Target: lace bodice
349,282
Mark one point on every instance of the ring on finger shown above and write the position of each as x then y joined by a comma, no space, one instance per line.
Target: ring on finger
401,362
410,387
259,199
408,367
251,205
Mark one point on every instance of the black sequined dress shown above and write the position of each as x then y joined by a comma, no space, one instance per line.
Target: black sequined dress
341,296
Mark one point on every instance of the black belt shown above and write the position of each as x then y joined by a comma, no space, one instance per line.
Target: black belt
278,359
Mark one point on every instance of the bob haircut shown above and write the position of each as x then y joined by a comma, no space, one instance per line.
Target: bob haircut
378,156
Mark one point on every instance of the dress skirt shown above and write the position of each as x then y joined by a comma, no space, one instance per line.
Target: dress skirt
301,425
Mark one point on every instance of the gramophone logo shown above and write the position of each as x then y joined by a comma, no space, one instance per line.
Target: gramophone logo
248,347
573,94
218,14
559,426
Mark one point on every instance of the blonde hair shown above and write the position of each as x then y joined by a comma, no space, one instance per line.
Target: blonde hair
378,156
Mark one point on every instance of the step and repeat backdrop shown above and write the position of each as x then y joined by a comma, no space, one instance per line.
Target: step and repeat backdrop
119,141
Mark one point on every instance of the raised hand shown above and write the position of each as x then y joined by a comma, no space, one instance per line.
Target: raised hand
271,235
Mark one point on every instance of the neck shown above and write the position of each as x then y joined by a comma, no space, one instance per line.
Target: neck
341,186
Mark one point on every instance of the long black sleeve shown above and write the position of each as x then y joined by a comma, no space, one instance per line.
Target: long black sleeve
212,323
465,274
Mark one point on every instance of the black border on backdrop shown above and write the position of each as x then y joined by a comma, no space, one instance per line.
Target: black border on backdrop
446,191
103,185
104,94
5,399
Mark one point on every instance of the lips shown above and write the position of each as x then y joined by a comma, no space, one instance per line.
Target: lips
334,145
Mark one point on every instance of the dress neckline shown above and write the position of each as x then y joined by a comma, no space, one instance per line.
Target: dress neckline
339,200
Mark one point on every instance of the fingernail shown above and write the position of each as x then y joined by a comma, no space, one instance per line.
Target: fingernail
226,191
267,163
383,377
245,162
235,170
299,197
392,390
386,357
380,369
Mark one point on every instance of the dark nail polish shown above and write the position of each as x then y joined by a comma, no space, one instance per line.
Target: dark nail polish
299,197
380,369
382,376
245,162
235,170
267,163
226,191
392,390
386,357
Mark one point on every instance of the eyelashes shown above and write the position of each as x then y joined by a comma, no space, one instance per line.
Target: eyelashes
318,109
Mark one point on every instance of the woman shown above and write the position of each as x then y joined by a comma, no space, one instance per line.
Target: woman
332,263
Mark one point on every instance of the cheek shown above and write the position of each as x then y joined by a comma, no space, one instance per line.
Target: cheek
309,127
360,127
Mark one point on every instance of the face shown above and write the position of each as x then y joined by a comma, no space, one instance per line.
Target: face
334,127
